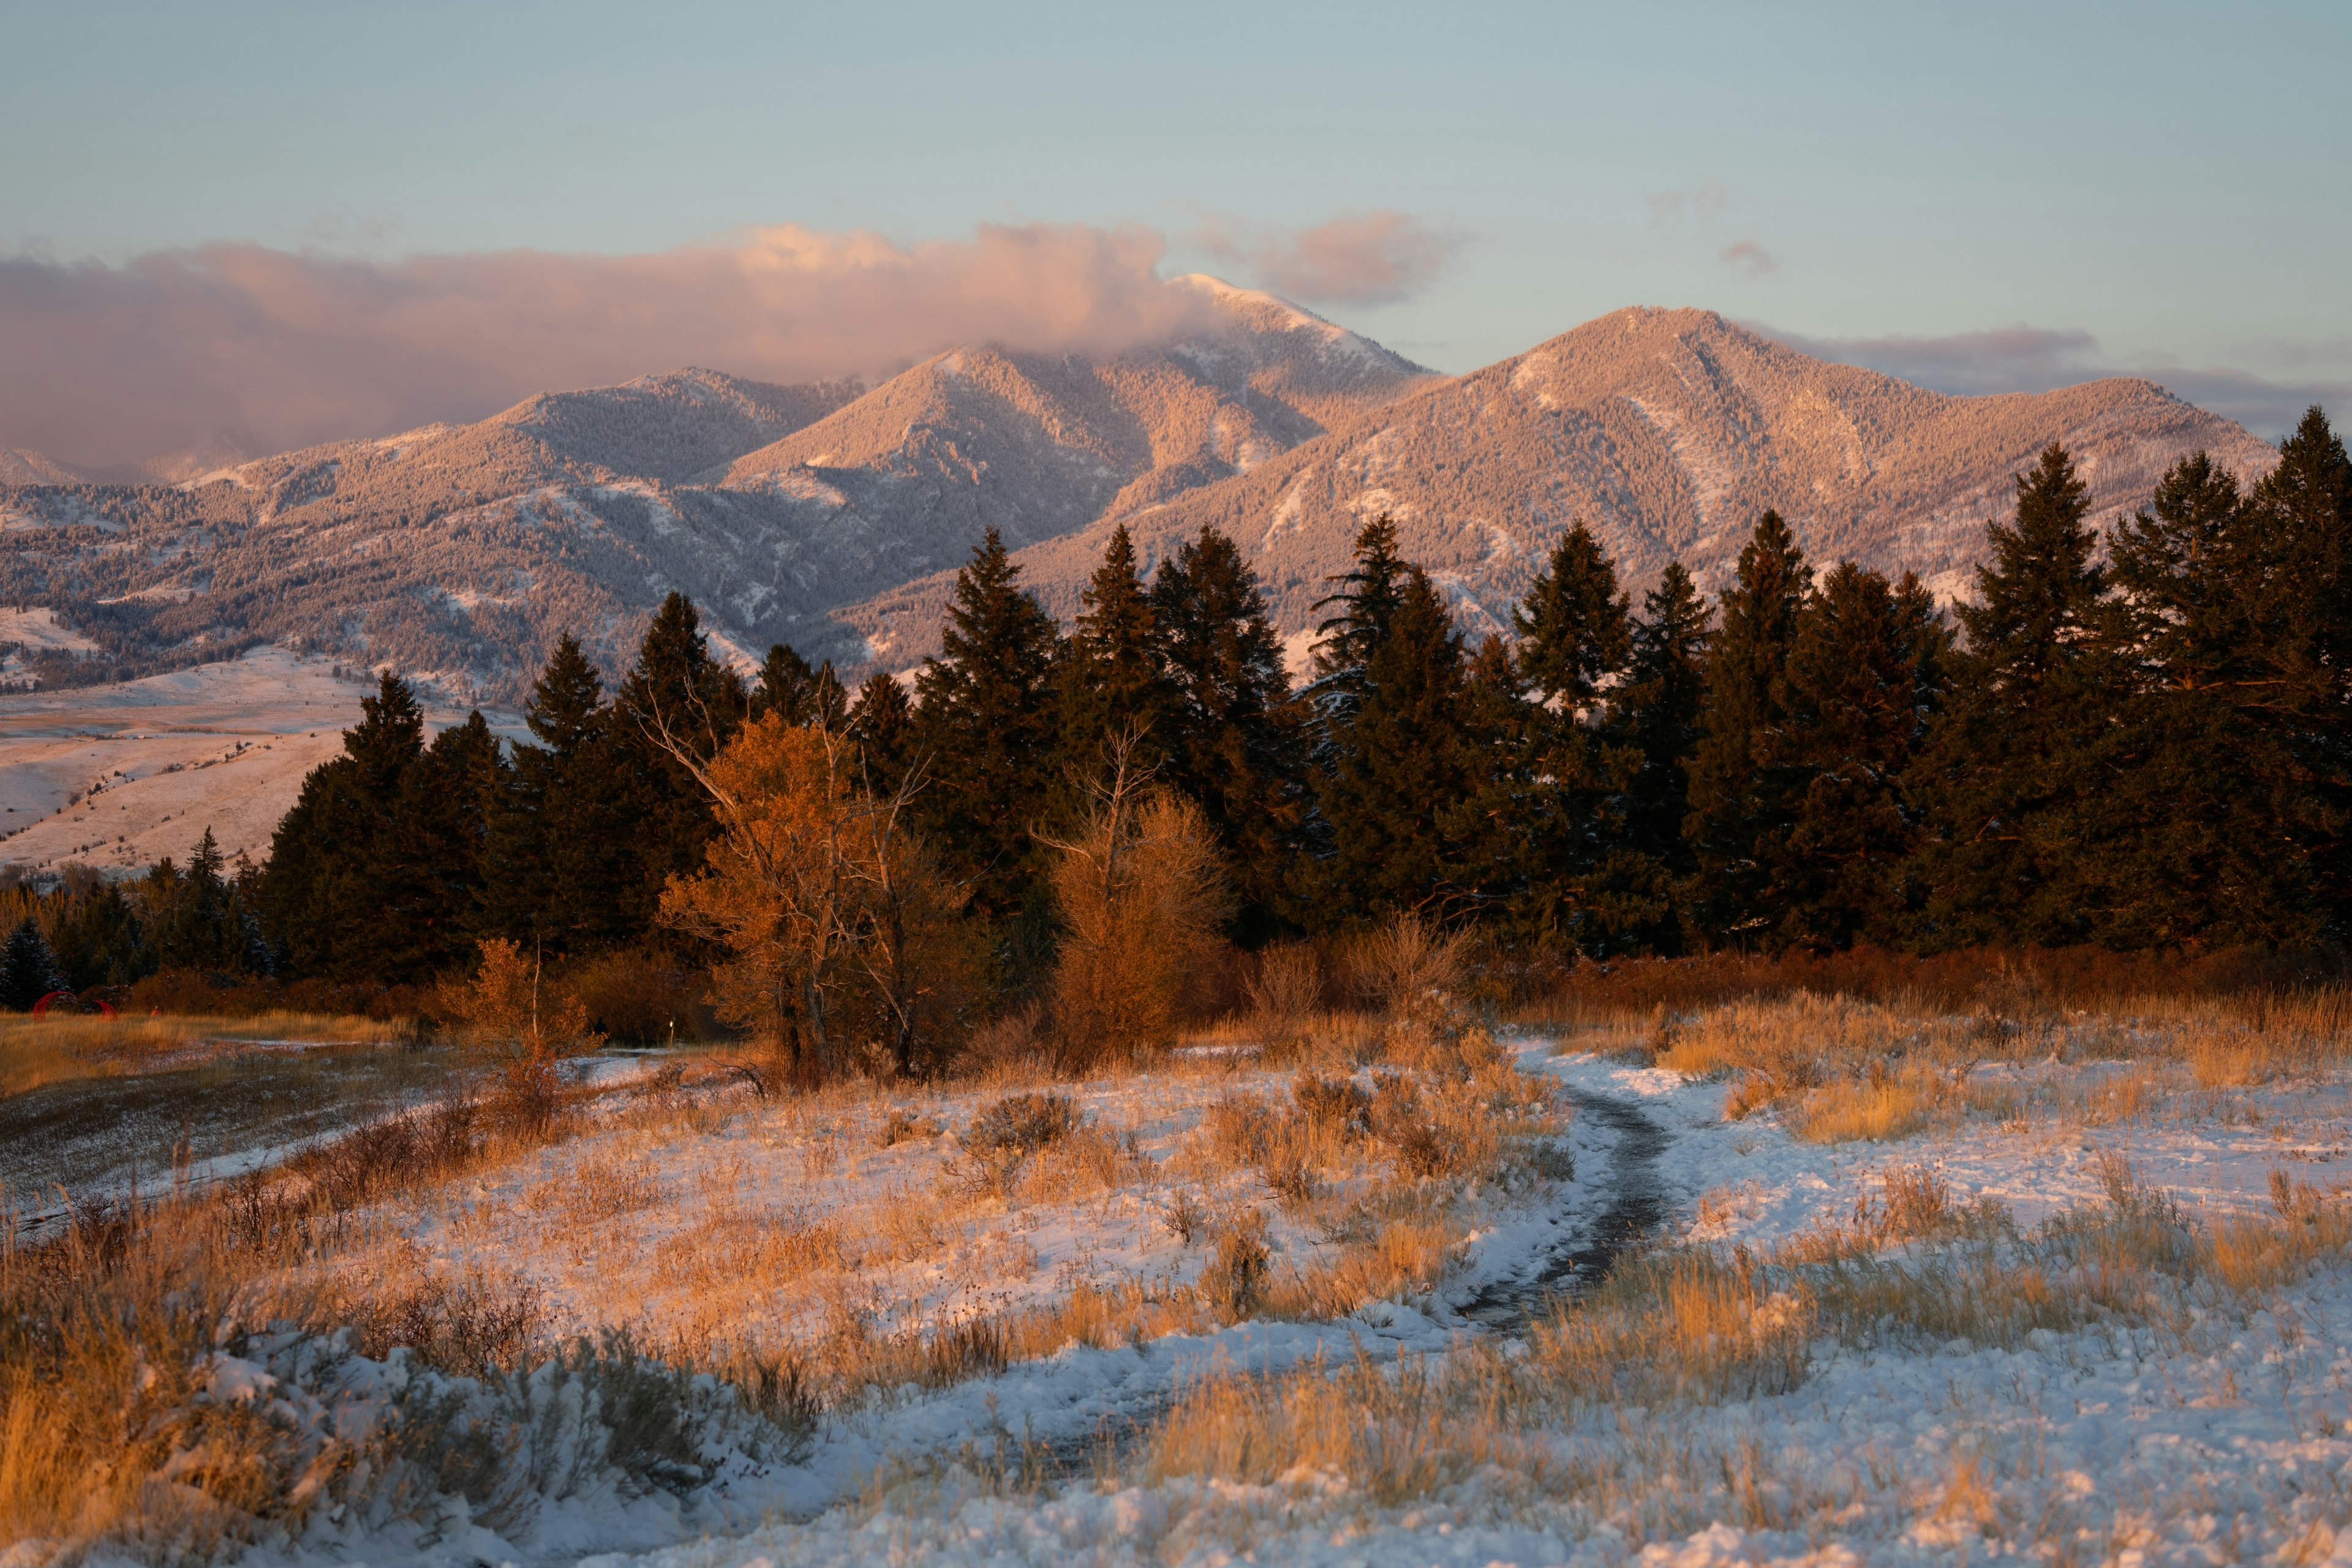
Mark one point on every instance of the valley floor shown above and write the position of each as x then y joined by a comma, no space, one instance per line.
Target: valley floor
2088,1306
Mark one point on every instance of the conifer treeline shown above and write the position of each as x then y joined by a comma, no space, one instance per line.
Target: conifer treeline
2149,749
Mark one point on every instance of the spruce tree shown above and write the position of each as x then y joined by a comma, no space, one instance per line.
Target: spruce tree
882,724
563,869
2300,519
1367,595
1234,736
987,714
1113,688
1863,677
2018,778
322,894
201,932
1574,624
28,971
2207,782
1657,710
676,694
1399,758
785,680
1736,796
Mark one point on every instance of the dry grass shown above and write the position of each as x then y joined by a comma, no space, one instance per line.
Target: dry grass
1700,1327
60,1048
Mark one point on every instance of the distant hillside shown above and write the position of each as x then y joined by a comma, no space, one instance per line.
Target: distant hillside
1667,431
458,554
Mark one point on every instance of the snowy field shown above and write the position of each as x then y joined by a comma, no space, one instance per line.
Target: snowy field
1803,1282
118,776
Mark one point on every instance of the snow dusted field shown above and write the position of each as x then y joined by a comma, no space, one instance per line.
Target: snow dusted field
118,776
2151,1263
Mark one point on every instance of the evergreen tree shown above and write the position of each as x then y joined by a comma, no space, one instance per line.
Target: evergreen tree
2300,517
200,930
96,938
988,714
1369,595
1736,798
1862,678
786,681
2019,776
676,694
562,869
1234,736
1657,712
1113,688
320,903
828,700
1574,624
882,724
2209,783
1397,758
28,972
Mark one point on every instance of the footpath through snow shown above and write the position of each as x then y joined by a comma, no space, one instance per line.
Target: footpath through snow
2218,1440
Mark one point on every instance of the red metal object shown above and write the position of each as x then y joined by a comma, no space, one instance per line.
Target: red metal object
41,1007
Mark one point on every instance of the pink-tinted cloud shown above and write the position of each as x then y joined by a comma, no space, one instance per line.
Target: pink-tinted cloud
108,363
1748,257
1366,258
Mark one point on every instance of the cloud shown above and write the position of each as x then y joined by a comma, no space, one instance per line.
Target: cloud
2037,359
1704,201
1366,258
110,363
1748,257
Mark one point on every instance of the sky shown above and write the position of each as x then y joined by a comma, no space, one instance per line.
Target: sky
300,221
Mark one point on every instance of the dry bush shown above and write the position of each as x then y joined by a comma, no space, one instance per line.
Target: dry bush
1406,965
903,1126
1141,894
1006,1133
475,1326
526,1028
1011,1046
733,1256
1234,1284
600,1188
1878,1107
1285,989
639,995
1185,1219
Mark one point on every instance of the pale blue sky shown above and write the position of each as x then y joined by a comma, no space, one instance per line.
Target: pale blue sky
2172,180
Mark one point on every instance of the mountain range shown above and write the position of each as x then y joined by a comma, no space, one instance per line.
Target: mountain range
832,516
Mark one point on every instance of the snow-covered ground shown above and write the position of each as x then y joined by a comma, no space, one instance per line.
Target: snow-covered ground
2214,1430
118,776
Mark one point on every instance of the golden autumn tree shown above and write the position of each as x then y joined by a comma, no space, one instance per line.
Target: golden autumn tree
837,928
1141,893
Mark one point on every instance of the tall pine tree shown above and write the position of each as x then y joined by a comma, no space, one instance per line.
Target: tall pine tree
2019,775
1737,796
1232,733
987,714
1863,677
882,724
1398,757
676,694
564,870
1113,688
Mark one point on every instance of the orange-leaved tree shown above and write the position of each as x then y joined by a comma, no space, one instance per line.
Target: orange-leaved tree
1141,893
837,929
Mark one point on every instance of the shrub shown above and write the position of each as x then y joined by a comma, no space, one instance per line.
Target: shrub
1399,966
1234,1281
1140,892
1286,987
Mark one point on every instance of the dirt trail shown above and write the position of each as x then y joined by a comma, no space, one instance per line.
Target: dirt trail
1635,1205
